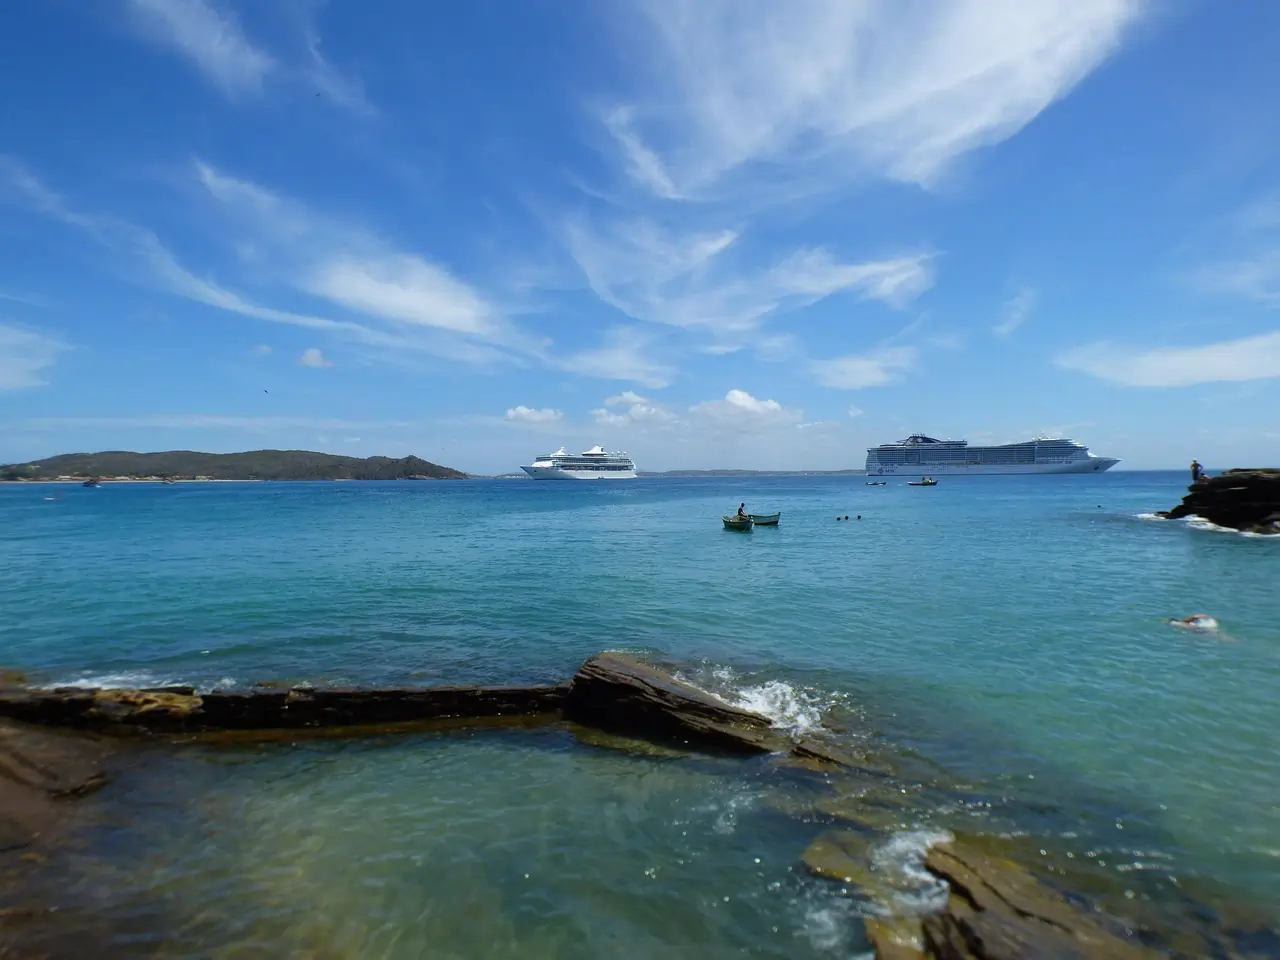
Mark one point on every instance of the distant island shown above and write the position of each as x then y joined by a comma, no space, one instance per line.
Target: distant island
253,465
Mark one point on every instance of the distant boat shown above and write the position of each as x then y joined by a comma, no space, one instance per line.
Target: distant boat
737,523
876,483
92,482
765,519
923,482
169,481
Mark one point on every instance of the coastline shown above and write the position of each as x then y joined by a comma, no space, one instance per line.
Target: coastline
852,802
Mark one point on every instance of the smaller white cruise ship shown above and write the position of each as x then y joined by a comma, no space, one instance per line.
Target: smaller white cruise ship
593,464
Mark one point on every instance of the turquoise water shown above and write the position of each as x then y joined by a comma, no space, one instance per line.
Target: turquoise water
1004,635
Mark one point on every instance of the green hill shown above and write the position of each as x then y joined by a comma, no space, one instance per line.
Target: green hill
254,465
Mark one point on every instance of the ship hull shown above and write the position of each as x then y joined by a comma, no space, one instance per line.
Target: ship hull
1091,465
555,473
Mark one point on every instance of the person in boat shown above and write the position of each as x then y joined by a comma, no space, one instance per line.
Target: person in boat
1197,471
742,511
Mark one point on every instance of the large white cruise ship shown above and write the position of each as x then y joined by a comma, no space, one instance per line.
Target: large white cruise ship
919,454
593,464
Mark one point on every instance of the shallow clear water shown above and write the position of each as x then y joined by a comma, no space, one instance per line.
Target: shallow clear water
1005,632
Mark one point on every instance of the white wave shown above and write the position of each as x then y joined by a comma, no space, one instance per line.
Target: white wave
831,924
793,709
900,860
1152,516
118,681
1199,523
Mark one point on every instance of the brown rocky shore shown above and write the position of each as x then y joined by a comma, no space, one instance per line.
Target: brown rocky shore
1242,499
57,745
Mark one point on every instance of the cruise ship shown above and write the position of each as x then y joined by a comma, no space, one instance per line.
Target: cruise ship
593,464
919,454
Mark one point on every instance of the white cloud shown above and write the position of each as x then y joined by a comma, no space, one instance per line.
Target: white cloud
1247,358
312,357
210,38
524,414
873,369
262,349
740,407
638,411
1015,310
896,89
855,412
24,356
622,357
626,397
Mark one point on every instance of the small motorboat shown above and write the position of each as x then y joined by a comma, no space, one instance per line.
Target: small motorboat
765,519
923,482
737,523
92,482
876,483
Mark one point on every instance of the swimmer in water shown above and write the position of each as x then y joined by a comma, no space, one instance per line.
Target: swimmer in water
1200,622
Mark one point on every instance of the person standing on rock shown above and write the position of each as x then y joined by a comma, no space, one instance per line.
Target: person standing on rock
1197,471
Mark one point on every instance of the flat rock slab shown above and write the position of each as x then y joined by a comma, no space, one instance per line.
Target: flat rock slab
618,693
180,710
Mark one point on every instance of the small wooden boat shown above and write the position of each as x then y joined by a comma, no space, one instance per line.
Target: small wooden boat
876,483
924,482
765,519
737,523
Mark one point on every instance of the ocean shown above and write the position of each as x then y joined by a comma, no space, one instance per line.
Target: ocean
1002,643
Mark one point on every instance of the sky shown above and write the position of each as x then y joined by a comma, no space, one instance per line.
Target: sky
711,233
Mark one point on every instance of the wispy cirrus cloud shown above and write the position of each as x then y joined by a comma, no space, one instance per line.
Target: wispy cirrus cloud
1245,358
351,267
697,280
623,355
401,302
840,87
872,369
210,37
1015,311
25,355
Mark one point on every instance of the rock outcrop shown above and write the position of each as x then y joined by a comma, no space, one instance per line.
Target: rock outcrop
622,695
1240,499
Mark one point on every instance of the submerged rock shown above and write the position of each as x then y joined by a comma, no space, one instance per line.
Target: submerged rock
895,938
40,770
997,910
1246,500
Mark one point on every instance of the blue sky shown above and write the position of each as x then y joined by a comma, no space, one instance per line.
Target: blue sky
711,233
